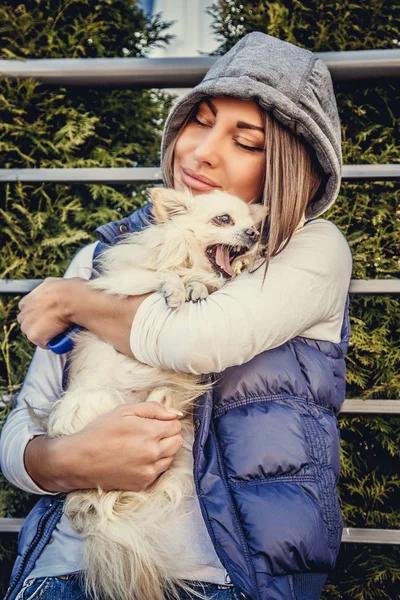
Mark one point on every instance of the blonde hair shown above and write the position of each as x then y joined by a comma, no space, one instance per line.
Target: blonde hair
292,179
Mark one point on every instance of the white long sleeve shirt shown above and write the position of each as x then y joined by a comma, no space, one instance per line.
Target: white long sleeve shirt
304,294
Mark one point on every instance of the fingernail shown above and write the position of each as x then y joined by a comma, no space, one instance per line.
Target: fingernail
174,411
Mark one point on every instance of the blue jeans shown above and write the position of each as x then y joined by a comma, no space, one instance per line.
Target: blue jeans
68,587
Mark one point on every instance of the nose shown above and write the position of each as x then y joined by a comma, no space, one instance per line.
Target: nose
207,149
252,235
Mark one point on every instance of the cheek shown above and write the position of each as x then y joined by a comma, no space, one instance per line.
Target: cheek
177,152
250,179
186,142
179,160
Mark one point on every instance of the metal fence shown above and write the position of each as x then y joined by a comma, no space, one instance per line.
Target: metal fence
184,73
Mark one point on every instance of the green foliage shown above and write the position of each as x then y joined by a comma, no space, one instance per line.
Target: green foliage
43,225
320,26
368,215
369,572
78,29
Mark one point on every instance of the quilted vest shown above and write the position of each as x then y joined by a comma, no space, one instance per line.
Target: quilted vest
266,465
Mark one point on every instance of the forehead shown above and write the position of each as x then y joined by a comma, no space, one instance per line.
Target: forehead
217,203
236,107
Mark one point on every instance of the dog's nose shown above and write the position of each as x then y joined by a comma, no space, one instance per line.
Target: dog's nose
252,234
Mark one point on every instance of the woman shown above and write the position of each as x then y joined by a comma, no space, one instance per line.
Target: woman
266,523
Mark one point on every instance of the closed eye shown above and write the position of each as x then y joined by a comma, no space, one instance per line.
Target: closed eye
247,148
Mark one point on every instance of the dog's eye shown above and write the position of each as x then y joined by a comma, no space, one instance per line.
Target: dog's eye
225,219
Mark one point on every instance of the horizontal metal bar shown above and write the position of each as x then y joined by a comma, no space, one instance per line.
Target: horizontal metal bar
391,407
109,176
10,525
362,64
371,172
371,406
355,535
182,72
357,286
153,174
374,286
18,286
350,534
116,72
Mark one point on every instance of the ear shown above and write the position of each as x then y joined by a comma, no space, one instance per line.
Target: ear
168,203
258,213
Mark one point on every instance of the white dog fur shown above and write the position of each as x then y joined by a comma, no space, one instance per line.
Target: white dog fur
127,546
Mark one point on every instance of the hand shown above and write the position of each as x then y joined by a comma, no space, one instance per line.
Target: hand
129,447
46,312
124,449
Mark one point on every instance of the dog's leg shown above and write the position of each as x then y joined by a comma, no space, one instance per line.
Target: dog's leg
195,291
76,409
162,395
245,260
173,290
240,263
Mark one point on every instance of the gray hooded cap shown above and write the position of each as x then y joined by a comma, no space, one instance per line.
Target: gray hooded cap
288,81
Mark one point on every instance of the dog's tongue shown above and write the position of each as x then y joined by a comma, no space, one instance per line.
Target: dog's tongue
222,259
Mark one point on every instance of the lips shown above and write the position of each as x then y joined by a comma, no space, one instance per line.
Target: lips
197,182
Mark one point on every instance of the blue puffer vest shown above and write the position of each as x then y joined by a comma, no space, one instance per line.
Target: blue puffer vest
266,465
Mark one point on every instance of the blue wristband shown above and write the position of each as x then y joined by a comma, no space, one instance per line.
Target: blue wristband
64,342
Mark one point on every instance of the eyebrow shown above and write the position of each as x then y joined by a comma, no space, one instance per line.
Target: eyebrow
239,124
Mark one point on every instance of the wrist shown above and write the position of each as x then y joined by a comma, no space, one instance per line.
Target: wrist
74,299
53,463
72,470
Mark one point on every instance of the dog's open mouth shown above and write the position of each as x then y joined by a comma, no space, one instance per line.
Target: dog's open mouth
221,257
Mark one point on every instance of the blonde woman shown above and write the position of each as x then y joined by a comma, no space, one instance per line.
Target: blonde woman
265,522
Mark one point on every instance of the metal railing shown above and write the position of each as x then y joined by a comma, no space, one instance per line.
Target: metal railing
352,535
113,175
184,73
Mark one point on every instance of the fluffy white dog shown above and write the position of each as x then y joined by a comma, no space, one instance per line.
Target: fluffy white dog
195,245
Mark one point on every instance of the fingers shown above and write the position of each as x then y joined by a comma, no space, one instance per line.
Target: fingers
169,446
166,429
162,465
21,305
160,424
152,410
43,311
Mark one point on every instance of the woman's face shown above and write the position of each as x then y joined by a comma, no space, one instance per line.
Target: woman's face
224,143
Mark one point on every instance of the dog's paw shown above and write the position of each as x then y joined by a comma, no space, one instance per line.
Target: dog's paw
239,264
196,291
174,295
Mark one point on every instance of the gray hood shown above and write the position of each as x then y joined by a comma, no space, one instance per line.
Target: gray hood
296,87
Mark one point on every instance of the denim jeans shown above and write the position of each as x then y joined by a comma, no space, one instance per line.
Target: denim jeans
68,587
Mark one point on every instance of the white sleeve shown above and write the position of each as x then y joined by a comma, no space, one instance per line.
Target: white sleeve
42,387
304,294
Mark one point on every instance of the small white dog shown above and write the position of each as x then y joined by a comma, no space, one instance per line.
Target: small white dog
195,245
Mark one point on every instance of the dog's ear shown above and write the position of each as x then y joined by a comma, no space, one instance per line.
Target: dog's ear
258,212
167,203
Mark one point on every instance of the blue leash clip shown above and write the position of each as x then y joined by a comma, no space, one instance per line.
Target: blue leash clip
64,342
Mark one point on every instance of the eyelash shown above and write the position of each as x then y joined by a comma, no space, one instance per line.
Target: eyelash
248,148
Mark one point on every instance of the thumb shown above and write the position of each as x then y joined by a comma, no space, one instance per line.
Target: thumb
154,410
